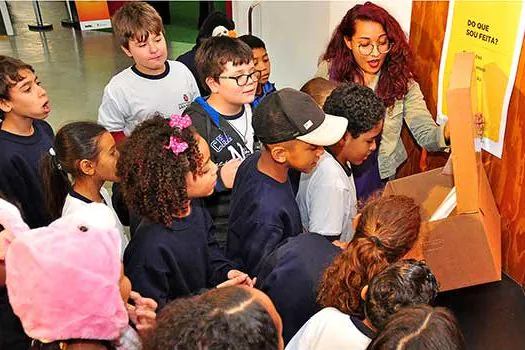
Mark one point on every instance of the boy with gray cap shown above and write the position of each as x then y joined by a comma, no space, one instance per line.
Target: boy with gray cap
293,131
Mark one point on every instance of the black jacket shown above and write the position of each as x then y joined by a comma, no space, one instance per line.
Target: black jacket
225,144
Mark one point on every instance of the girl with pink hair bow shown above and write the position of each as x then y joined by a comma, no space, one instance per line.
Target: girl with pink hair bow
165,170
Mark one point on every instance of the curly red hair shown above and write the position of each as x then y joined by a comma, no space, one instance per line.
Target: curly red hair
397,70
387,230
153,178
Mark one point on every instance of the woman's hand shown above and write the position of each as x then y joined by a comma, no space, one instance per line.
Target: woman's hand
236,277
142,314
479,122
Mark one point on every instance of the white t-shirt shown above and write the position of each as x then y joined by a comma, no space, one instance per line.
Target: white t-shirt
331,329
243,126
75,201
327,199
132,97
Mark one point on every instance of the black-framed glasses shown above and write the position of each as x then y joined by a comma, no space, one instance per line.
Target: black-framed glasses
242,79
383,47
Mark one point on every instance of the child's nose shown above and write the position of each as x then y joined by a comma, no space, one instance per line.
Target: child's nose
42,91
153,47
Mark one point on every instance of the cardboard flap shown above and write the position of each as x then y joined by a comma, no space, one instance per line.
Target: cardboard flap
461,98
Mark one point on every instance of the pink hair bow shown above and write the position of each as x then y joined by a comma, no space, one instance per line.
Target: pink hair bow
177,145
180,121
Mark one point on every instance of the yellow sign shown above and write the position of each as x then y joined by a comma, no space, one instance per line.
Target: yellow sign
493,30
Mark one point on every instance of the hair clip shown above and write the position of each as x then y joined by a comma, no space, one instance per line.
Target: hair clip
180,121
54,159
177,145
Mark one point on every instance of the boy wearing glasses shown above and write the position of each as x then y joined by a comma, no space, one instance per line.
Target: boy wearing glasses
224,118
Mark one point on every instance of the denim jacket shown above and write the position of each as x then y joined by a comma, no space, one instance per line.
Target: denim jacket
413,110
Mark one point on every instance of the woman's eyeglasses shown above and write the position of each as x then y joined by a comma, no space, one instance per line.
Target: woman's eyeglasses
383,47
242,79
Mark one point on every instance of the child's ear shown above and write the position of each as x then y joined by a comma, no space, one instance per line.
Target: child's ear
213,85
5,105
86,167
278,153
126,51
364,291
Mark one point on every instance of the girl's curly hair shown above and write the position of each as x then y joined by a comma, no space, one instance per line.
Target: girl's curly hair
397,70
152,177
387,230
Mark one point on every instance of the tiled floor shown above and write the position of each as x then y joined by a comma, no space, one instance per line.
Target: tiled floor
73,66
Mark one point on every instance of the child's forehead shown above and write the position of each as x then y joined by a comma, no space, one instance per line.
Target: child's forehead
21,77
230,68
142,36
261,51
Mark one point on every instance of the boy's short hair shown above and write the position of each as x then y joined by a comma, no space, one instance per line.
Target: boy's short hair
215,52
357,103
252,41
222,318
404,283
320,89
136,20
10,68
288,114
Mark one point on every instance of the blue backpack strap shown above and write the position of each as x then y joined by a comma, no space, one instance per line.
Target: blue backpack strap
214,115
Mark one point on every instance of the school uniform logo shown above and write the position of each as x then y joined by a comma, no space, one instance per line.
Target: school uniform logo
186,102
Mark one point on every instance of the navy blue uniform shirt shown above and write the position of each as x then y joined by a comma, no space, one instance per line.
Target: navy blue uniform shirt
20,183
263,213
164,263
290,276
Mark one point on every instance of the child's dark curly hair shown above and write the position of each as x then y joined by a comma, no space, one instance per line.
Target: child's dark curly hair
152,177
358,104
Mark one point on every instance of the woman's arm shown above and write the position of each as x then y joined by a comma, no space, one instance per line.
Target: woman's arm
427,133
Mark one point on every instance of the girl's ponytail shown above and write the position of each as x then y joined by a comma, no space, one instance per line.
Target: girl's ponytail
387,230
73,142
350,271
55,183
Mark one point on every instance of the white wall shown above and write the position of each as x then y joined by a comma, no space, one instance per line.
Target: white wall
296,32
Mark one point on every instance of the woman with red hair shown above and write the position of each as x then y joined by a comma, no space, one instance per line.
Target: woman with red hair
369,47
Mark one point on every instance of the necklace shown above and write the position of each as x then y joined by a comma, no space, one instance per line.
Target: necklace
242,135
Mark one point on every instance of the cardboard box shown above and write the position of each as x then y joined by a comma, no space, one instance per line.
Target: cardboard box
463,249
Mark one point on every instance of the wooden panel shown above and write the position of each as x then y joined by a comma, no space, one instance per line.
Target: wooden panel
427,30
506,175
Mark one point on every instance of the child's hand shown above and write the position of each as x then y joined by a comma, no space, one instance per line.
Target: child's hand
143,313
340,244
228,172
236,277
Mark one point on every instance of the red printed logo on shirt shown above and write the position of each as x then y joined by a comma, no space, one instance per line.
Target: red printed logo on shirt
185,97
